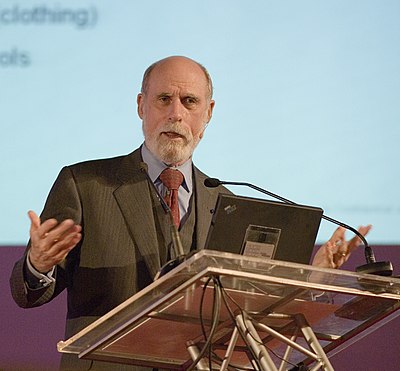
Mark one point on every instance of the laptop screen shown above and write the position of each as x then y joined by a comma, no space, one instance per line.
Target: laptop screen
255,227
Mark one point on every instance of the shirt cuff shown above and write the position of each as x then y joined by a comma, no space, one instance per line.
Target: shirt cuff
42,280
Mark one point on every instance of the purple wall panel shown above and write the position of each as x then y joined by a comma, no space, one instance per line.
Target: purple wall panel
380,349
29,336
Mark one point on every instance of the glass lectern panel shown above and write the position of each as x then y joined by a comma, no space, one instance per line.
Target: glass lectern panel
173,318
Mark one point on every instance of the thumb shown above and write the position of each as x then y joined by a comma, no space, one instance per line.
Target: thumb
35,220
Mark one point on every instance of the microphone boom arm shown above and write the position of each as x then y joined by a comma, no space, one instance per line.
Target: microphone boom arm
373,267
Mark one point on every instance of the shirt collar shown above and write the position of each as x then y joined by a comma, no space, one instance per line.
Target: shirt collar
155,167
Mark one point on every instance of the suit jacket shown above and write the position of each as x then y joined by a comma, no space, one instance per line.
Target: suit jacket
119,251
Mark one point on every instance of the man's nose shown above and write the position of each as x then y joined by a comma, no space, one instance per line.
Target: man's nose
175,111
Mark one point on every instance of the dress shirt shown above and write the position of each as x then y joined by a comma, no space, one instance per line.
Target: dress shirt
155,167
35,279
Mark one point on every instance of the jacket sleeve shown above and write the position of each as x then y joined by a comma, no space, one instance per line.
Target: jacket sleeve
63,202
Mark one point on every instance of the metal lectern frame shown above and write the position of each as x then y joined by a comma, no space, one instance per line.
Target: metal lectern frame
225,311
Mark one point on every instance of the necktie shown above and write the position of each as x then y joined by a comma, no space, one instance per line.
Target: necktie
172,179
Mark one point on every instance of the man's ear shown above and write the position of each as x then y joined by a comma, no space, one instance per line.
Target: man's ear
208,118
139,101
204,129
210,110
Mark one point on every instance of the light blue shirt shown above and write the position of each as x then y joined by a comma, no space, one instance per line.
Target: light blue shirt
155,167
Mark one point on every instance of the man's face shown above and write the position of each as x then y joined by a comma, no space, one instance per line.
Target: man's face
175,109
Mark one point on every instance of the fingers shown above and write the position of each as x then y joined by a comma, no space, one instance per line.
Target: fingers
336,256
338,240
356,241
329,251
51,231
51,241
324,256
54,251
336,251
35,220
342,249
37,230
339,247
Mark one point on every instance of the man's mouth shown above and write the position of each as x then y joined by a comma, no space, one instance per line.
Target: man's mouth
173,135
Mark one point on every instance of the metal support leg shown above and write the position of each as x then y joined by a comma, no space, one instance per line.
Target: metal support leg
288,351
313,341
194,352
253,340
248,327
231,348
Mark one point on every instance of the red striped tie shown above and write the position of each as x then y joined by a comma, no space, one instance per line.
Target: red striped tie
172,179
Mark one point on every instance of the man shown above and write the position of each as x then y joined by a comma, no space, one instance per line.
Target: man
103,234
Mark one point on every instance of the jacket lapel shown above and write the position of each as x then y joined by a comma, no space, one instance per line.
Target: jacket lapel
206,199
135,203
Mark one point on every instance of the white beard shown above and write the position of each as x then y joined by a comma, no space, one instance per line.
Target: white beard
171,151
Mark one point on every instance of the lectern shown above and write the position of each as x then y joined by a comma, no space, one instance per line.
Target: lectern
225,311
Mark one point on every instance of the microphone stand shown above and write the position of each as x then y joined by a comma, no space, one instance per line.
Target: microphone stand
175,237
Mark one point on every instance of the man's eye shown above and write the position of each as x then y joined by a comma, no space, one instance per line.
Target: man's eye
164,99
190,101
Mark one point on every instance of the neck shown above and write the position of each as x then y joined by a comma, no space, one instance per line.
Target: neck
176,164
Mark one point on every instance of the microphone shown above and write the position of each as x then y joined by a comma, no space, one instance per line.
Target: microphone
176,239
372,267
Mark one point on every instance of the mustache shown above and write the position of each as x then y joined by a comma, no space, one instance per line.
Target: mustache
177,129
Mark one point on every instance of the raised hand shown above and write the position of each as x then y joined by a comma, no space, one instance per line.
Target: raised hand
51,241
336,251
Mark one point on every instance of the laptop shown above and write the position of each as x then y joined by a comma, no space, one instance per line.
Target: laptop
263,228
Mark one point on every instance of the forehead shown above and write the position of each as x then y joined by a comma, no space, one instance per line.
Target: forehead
184,76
